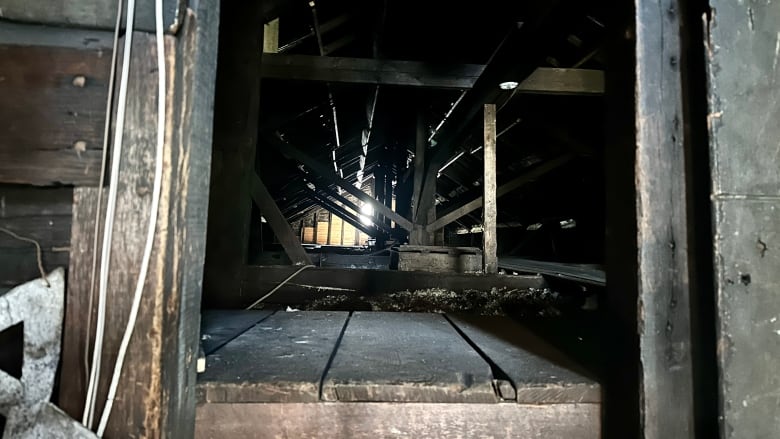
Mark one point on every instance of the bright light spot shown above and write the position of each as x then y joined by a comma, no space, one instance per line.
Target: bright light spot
508,85
366,213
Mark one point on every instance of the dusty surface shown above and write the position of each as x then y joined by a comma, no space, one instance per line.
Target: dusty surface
527,302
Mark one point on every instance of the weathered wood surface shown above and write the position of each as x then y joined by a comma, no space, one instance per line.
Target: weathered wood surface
539,373
281,228
52,115
544,80
99,14
43,214
663,320
406,357
412,420
236,108
489,187
156,396
218,326
318,282
743,49
282,359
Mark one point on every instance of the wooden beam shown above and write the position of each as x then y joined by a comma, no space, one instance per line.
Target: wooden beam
155,396
96,14
52,114
489,211
270,211
543,80
502,190
326,173
363,282
342,213
743,66
387,419
663,320
236,107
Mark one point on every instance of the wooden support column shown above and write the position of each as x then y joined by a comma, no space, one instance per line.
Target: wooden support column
156,392
270,211
236,107
424,192
743,63
663,302
489,208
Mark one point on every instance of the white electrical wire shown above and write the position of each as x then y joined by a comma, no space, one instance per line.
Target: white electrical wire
139,287
105,260
281,284
98,216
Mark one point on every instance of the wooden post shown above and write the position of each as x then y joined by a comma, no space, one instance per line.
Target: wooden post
744,73
424,192
156,396
489,210
236,108
270,211
663,320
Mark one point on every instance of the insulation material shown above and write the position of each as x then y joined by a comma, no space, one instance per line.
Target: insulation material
349,235
336,227
308,235
322,232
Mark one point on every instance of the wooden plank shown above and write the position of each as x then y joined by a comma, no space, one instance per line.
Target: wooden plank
406,357
514,184
328,175
369,71
43,214
539,373
489,186
52,113
663,320
282,359
270,211
412,420
236,107
155,396
742,62
98,14
219,326
318,282
543,80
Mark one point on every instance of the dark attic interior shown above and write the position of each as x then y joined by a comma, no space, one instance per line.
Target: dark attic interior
369,219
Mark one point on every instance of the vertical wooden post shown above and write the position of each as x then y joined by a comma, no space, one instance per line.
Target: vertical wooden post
424,192
489,210
744,72
663,303
156,393
236,108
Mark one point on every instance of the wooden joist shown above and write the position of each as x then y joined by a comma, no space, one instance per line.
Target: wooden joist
544,80
327,174
52,112
502,190
270,211
489,196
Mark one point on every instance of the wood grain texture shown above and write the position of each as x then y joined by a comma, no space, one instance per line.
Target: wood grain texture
742,57
489,187
54,87
281,359
666,377
539,373
43,214
406,357
409,420
157,386
99,14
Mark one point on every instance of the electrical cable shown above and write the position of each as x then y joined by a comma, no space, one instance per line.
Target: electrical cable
106,136
152,227
105,260
281,284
